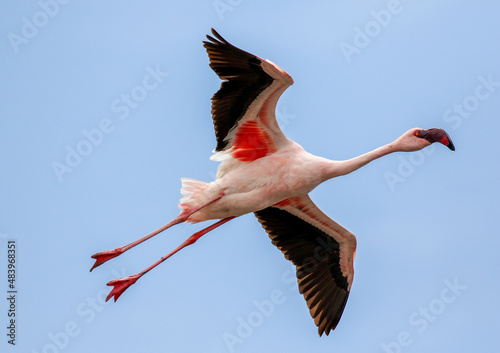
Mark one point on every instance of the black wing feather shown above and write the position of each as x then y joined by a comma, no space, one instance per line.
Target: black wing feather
244,81
316,256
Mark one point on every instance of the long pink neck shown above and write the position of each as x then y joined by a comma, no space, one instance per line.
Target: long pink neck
338,168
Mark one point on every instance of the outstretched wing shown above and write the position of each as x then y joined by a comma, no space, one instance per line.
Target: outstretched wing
322,251
243,109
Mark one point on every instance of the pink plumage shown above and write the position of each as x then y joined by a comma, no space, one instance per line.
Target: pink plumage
264,172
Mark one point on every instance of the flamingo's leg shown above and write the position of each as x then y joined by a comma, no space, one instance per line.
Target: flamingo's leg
103,256
121,284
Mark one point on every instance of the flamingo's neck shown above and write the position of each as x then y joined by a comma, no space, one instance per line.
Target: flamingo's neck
338,168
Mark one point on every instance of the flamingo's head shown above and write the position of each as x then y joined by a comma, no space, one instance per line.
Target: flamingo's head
415,139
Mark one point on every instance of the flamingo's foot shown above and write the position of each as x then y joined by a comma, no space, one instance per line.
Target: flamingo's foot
103,256
120,285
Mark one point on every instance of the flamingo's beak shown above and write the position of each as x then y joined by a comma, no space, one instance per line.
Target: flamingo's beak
437,135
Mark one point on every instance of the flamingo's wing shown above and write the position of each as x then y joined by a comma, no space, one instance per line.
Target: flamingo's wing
243,109
322,251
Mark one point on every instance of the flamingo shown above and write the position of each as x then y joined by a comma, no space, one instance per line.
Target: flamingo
264,172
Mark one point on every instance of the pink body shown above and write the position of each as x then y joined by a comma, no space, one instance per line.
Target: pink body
264,172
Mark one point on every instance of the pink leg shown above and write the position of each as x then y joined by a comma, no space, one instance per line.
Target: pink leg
121,284
103,256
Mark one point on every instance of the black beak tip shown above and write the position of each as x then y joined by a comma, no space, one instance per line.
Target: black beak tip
450,144
444,138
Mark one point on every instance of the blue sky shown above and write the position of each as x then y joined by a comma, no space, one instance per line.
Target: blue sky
106,105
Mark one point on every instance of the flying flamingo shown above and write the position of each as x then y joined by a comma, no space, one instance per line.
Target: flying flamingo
264,172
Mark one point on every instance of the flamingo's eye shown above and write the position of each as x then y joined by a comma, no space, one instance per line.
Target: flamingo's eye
416,133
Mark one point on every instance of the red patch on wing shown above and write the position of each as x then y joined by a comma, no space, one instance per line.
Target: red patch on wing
251,142
295,202
285,202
